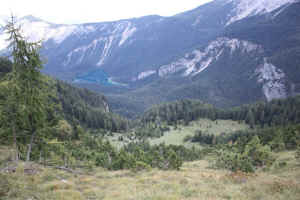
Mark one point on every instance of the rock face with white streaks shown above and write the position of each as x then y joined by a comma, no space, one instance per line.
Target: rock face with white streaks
273,80
145,74
128,32
197,61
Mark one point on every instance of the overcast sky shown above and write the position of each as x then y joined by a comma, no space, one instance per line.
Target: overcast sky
72,11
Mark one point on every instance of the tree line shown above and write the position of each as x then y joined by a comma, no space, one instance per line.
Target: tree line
278,112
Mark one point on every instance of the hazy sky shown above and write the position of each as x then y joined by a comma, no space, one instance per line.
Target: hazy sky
74,11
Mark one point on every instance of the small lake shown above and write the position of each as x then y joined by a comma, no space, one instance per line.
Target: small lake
98,77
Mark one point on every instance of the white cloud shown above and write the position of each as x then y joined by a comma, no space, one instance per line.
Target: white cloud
67,11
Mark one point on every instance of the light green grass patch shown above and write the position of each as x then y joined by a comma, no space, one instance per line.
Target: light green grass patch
176,136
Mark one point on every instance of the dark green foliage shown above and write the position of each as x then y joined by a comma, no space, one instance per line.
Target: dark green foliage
5,66
234,161
89,109
277,112
185,110
123,160
279,138
150,130
174,160
162,156
135,156
203,138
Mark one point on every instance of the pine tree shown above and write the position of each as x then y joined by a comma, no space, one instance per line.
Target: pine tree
29,81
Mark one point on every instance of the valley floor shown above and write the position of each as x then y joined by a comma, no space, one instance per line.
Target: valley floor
195,180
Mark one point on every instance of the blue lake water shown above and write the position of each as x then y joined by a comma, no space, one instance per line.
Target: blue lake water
98,77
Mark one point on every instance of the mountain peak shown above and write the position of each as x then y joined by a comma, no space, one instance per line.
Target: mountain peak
31,18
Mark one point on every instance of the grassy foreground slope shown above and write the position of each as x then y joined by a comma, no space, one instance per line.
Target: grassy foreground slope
195,180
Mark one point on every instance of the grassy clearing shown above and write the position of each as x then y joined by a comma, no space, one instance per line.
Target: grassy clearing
196,180
114,139
176,136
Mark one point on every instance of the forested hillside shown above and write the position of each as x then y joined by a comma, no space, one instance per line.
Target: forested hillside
78,106
88,108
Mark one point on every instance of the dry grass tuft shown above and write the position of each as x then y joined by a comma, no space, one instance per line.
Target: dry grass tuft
239,177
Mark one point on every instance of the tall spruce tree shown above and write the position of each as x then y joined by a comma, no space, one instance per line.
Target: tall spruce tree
28,79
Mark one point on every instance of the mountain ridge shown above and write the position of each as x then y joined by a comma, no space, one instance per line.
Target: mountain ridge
139,56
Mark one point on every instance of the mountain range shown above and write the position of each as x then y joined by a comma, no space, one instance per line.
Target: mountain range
226,52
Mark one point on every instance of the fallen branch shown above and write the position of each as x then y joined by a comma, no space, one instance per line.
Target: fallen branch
67,170
8,169
27,170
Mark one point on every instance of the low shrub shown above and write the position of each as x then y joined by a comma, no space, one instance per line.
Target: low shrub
234,161
140,166
245,158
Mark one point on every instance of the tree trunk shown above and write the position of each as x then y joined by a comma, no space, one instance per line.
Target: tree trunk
30,146
41,158
16,154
